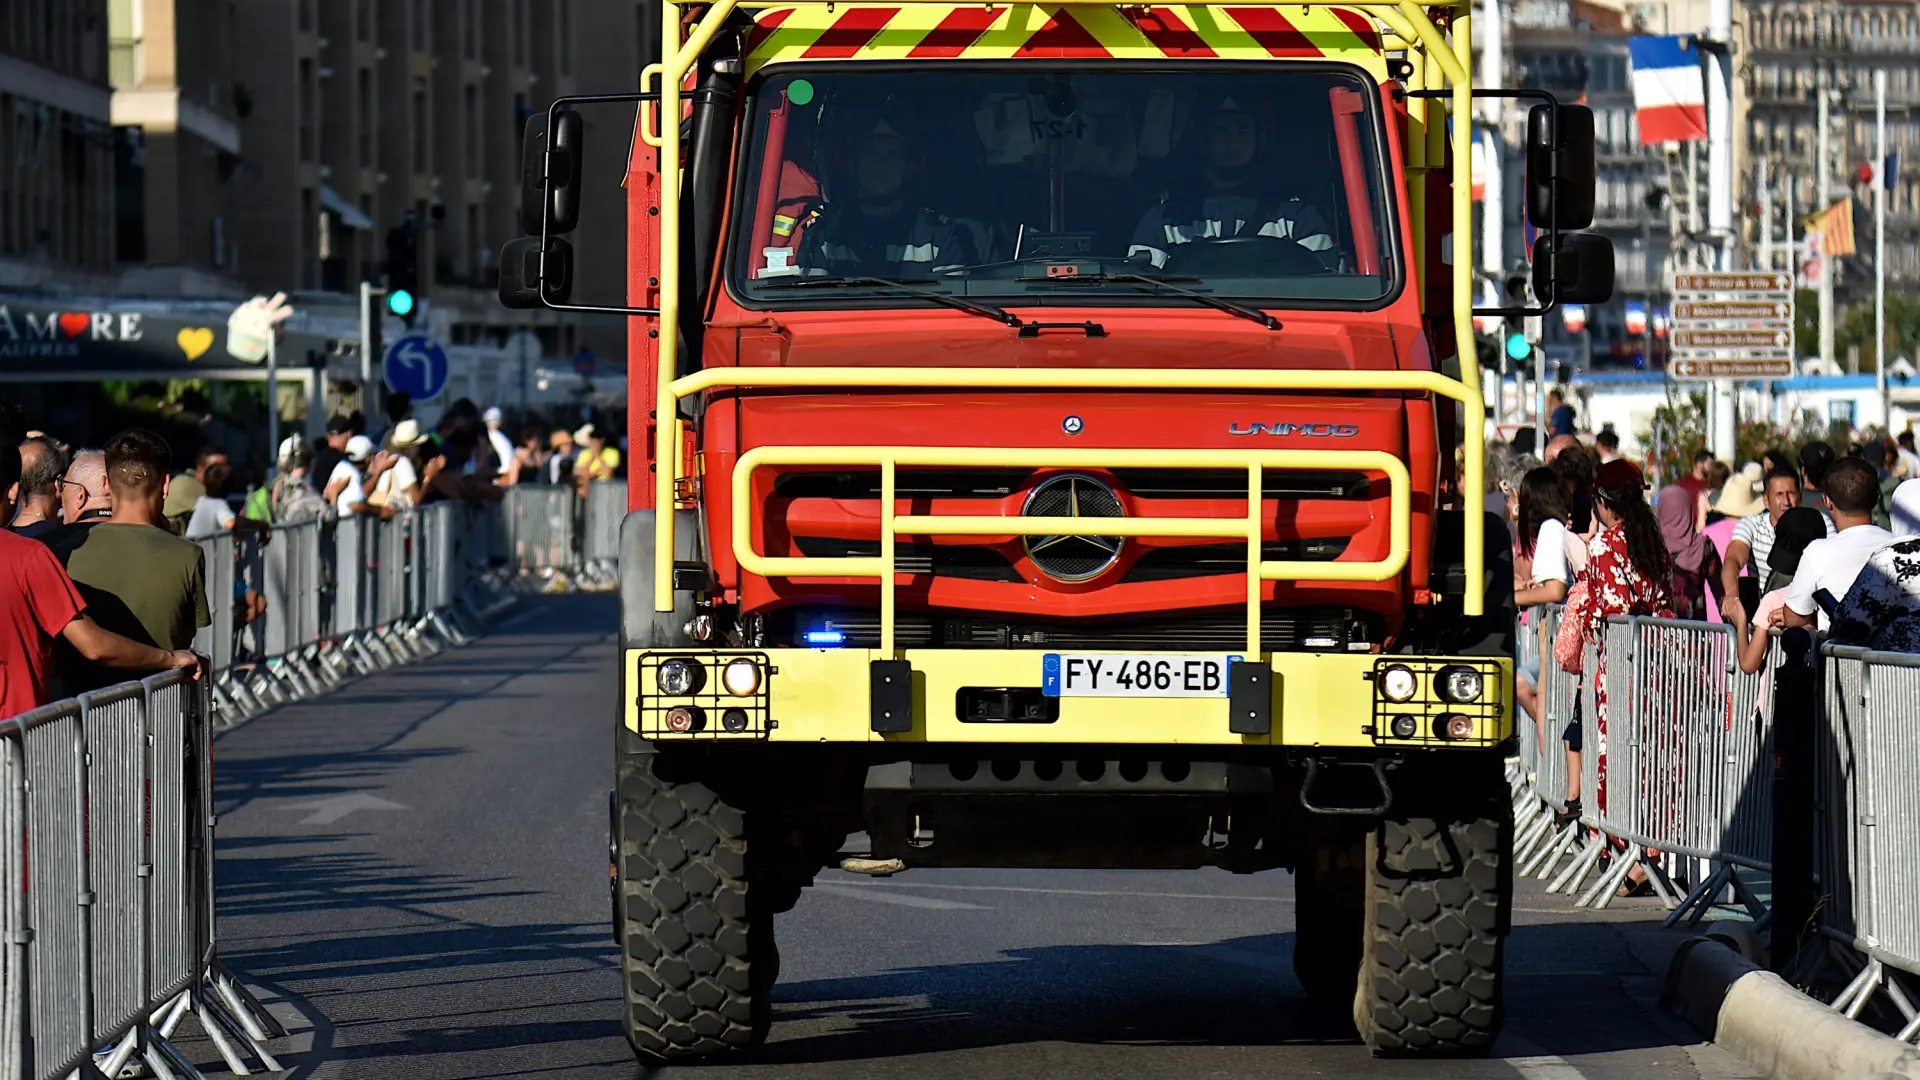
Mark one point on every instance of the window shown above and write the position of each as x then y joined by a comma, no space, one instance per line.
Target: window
470,118
1057,188
363,101
421,161
309,140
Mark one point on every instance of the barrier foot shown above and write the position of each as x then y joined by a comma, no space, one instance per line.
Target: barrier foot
448,628
166,1062
1576,871
212,1014
255,1020
1541,862
217,1032
1854,998
1695,906
1610,882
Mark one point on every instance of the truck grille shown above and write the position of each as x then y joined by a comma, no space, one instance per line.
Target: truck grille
1139,483
1318,629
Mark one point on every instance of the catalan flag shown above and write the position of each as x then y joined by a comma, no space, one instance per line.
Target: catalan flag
1834,225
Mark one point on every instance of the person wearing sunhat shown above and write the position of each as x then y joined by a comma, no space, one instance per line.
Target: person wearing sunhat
393,477
875,229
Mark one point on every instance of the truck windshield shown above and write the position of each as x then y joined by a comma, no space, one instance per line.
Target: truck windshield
1068,186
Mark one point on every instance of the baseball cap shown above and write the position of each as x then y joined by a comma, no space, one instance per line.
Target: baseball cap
493,414
585,432
339,425
359,448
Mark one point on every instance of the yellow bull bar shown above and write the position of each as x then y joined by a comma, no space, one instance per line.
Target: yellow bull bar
889,458
1443,135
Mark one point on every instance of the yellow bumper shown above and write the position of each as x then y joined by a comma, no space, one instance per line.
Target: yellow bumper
823,695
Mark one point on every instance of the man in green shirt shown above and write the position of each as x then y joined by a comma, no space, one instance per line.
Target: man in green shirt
138,579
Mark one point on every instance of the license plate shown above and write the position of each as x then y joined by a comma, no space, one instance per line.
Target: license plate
1163,675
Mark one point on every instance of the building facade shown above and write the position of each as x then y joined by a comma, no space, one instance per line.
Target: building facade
1795,48
56,146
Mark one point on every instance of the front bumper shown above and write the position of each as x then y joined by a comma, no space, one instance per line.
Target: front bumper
829,696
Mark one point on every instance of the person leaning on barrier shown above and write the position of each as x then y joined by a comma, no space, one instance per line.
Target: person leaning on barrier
1551,555
1882,609
138,579
393,476
1752,542
1787,542
294,499
39,605
529,461
1830,565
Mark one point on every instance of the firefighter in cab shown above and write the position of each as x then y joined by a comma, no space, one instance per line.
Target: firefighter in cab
870,227
1232,200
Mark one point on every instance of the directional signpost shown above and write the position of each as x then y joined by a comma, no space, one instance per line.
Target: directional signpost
1736,325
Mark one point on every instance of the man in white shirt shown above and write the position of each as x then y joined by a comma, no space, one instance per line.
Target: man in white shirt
345,488
1852,489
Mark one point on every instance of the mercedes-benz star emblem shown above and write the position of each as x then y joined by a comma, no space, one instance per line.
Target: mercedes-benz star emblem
1072,425
1073,558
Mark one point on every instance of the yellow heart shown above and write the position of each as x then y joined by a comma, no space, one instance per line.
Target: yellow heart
194,341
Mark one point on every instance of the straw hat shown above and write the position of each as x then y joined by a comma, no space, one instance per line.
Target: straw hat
1741,496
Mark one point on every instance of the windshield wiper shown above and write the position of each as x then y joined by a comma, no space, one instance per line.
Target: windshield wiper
1167,286
905,285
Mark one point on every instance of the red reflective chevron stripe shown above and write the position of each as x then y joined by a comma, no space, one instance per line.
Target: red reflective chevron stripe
764,24
1273,32
1361,25
959,29
849,32
1164,30
1063,36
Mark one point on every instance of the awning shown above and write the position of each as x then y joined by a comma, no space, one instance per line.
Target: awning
349,214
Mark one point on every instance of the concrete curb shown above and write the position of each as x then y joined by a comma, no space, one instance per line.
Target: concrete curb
1780,1031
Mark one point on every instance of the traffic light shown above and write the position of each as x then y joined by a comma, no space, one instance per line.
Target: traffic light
1518,348
403,268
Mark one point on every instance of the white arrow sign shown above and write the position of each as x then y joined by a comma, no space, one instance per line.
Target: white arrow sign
329,810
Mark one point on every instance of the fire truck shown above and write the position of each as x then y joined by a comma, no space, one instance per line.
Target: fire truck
1058,443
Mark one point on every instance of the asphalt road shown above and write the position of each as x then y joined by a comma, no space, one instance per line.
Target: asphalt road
418,865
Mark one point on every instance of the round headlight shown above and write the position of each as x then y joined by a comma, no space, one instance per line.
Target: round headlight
734,720
1404,727
685,719
1461,684
741,677
678,678
1398,684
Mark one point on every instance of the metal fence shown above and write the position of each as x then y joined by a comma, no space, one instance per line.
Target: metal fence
106,841
1676,779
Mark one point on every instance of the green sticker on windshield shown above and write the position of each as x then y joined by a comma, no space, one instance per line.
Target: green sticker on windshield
800,91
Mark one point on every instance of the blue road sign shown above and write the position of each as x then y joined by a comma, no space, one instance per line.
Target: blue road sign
416,365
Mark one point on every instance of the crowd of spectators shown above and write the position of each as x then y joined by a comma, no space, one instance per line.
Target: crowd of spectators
100,580
1800,538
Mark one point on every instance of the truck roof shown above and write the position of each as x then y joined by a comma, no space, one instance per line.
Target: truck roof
924,31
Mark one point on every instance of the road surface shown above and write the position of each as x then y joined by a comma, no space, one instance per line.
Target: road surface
417,864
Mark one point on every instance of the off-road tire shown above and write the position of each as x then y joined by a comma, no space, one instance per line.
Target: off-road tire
1329,911
695,927
1439,901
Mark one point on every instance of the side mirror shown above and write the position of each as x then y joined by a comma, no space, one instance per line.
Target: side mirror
1560,166
529,280
1579,270
551,201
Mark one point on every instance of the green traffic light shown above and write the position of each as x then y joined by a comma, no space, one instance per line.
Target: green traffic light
400,302
1517,347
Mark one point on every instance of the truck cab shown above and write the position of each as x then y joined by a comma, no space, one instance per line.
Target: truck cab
1065,451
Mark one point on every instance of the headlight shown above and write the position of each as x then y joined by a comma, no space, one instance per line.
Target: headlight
678,678
1453,727
741,677
685,719
1398,684
1404,727
1461,684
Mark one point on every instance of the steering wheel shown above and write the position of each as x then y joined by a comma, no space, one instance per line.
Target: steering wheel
1249,256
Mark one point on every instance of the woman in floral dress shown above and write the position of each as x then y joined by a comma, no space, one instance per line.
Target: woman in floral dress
1628,573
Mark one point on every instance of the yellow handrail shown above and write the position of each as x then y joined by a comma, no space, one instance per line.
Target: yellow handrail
888,459
1410,21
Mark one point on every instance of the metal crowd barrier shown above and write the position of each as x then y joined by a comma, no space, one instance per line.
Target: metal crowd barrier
106,841
297,610
1677,778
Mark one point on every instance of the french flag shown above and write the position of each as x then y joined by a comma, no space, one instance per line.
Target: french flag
1669,93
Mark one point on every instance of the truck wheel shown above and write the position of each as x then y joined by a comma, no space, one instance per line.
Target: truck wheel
692,912
1329,911
1439,899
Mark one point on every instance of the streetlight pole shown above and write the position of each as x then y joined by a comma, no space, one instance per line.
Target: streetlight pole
1880,247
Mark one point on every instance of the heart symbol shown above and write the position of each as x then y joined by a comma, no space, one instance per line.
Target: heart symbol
194,341
74,323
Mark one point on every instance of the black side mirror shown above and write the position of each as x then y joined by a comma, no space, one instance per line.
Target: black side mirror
529,280
552,201
1560,166
1576,270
